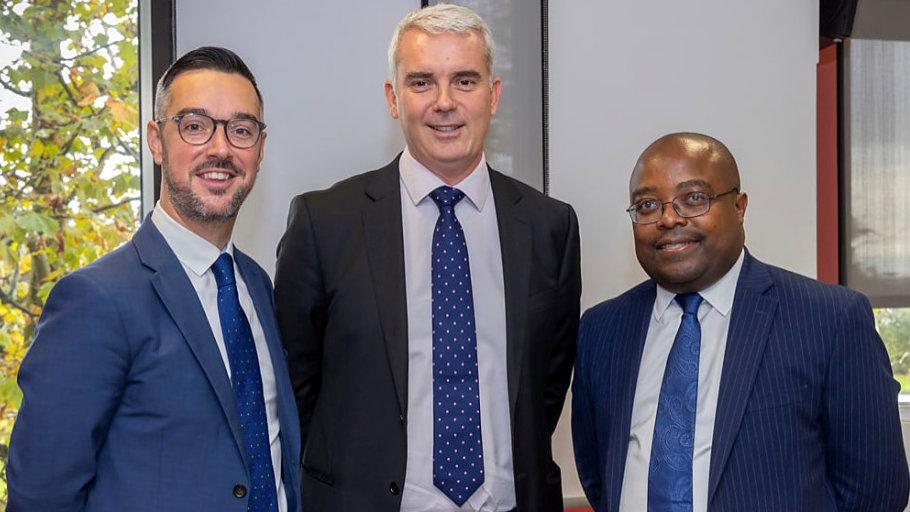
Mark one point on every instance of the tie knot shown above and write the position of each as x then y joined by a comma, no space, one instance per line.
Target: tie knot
223,269
689,302
446,196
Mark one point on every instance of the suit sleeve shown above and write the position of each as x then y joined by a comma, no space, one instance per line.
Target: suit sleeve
72,381
864,448
563,356
584,429
300,304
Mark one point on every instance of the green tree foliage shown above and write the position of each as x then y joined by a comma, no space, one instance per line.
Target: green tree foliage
70,179
894,327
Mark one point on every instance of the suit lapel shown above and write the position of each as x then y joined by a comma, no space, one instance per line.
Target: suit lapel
385,252
630,343
753,311
515,245
182,303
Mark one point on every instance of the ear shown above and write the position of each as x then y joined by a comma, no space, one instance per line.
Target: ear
154,135
262,138
496,91
742,201
391,100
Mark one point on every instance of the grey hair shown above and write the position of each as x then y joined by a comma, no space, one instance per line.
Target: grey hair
162,99
439,19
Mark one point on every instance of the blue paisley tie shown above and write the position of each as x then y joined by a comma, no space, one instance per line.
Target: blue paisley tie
457,448
670,470
246,382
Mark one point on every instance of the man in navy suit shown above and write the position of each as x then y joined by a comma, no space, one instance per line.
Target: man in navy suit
723,383
157,380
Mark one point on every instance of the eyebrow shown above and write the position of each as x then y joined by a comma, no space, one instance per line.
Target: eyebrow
679,186
640,191
204,112
244,115
468,74
185,111
425,75
693,184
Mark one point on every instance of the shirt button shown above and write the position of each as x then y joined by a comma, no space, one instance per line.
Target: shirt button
393,488
239,491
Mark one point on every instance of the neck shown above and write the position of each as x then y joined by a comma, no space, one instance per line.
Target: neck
451,174
217,233
452,178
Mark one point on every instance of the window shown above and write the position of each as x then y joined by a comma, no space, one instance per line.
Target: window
69,153
877,189
893,325
518,131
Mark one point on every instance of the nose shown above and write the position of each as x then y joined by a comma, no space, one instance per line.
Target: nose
444,101
219,146
669,218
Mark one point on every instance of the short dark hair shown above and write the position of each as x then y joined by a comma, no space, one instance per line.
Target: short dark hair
206,57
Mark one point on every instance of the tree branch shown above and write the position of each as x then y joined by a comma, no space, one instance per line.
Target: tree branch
65,149
130,151
114,205
66,87
12,302
85,53
100,209
13,89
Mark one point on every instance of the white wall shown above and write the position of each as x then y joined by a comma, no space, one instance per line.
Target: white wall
624,73
621,74
321,68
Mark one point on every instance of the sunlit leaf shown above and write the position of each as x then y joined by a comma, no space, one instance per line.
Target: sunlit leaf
53,162
88,93
123,112
35,222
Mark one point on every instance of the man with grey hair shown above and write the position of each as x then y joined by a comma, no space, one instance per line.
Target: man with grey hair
429,308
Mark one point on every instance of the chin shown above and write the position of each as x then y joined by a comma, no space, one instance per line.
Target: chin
675,279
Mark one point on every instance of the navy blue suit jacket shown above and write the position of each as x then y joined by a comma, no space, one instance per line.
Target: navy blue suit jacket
807,415
127,402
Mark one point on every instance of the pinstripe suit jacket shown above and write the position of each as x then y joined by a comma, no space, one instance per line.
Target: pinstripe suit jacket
807,414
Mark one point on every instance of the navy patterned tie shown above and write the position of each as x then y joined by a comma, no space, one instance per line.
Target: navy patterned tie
670,469
457,448
246,382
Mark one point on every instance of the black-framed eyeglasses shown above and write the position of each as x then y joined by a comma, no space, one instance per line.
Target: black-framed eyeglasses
688,205
197,129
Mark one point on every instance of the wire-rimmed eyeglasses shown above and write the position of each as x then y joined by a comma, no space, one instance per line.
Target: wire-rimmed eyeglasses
688,205
197,129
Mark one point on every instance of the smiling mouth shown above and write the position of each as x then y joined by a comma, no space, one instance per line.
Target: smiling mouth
445,128
215,175
675,245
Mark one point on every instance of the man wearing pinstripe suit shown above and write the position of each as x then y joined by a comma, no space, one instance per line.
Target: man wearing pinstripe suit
723,383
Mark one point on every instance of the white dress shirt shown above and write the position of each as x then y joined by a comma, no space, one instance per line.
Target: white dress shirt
477,215
714,318
197,255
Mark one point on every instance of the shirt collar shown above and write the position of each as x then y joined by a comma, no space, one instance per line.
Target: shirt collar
419,181
719,295
195,252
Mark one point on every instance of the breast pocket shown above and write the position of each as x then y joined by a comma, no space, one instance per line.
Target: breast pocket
781,397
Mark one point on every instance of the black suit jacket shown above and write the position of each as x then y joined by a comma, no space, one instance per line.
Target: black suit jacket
341,302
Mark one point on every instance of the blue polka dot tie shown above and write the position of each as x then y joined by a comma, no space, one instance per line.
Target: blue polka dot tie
246,382
457,448
670,470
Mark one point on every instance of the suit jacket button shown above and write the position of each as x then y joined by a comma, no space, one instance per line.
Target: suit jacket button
239,491
393,488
